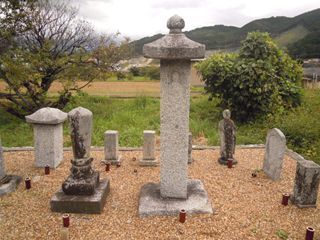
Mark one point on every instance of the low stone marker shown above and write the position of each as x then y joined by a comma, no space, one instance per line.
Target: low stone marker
227,134
190,159
48,136
175,191
82,191
306,185
275,150
8,183
111,145
149,145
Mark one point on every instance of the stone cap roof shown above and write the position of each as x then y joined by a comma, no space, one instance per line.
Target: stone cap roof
48,116
174,45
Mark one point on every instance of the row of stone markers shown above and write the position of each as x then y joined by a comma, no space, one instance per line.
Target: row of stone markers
307,177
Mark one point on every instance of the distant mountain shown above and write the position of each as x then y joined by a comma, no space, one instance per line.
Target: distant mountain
300,34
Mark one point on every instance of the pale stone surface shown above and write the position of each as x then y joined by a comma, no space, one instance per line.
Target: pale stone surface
149,143
2,166
151,203
190,160
111,145
10,185
48,136
275,150
175,51
306,184
47,116
81,127
48,145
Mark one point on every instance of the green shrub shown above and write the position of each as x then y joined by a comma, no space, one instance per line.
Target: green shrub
259,80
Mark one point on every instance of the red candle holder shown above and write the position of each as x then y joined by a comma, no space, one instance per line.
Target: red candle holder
47,170
230,163
182,216
118,165
28,182
309,233
66,220
107,167
285,199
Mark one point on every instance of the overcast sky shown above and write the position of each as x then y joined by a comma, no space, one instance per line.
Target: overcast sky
140,18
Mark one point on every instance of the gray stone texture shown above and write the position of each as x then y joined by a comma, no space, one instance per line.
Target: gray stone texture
80,120
61,202
9,184
306,185
149,148
2,166
190,159
111,147
175,51
274,154
48,136
151,203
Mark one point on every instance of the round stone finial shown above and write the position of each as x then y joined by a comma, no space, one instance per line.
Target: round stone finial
175,24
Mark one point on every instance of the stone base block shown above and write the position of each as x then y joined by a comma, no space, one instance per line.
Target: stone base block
224,161
10,184
148,162
152,204
60,202
112,161
81,186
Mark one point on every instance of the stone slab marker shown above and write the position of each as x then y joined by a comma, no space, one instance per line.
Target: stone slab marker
275,150
111,145
306,184
149,145
175,52
2,166
48,136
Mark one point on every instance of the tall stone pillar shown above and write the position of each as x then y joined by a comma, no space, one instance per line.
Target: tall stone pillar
175,52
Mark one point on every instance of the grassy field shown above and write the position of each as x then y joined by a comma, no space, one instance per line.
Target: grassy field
133,115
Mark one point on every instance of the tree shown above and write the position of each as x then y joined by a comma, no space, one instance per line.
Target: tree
260,79
53,45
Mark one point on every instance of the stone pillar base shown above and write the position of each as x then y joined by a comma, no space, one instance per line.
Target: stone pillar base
9,184
152,204
60,202
224,161
148,162
112,161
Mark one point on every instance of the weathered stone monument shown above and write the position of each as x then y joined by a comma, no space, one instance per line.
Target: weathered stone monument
82,191
111,145
275,150
190,159
306,185
8,183
227,134
175,191
149,148
48,136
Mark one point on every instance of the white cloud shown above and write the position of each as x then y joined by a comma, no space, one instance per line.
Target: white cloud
141,18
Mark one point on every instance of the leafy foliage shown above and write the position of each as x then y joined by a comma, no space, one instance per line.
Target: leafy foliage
258,80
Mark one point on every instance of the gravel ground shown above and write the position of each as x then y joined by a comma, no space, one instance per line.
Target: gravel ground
245,207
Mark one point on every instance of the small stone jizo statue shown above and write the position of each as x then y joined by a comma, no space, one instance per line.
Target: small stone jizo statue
227,133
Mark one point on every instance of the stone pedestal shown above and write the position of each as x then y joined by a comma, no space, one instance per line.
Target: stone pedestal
190,159
82,191
275,150
306,185
8,183
175,52
149,145
48,136
111,145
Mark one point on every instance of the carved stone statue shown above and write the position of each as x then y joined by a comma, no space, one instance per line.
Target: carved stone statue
227,133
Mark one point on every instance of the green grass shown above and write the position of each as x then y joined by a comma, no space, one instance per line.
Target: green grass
131,116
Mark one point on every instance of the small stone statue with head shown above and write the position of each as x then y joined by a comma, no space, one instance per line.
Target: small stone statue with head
227,133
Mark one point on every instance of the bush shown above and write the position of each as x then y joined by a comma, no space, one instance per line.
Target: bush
259,80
